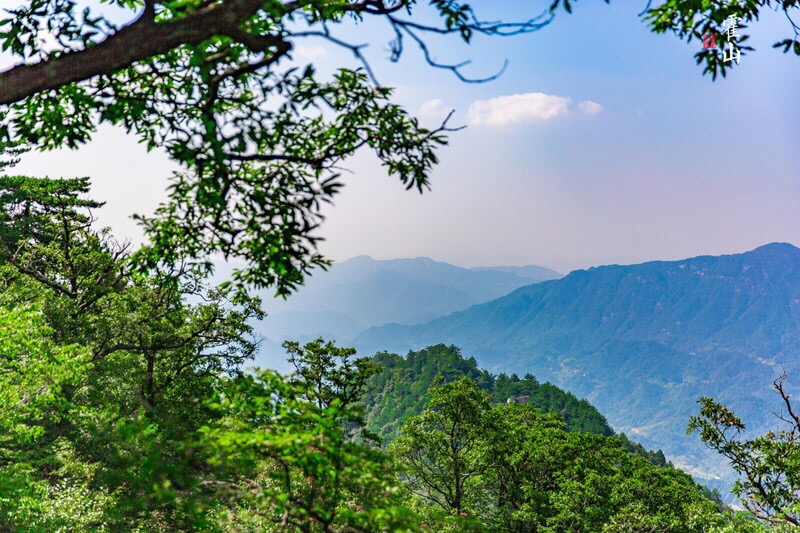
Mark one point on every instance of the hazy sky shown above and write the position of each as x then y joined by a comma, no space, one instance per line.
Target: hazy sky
601,143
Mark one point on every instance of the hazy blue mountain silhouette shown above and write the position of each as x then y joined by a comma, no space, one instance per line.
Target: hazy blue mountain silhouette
362,292
642,342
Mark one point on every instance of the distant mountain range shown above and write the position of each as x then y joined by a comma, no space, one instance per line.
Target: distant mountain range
642,342
362,292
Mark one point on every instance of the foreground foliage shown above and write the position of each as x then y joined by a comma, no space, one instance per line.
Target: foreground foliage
124,408
769,464
511,468
293,452
105,366
123,404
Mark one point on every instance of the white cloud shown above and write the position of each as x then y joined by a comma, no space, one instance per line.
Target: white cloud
517,109
433,109
587,107
310,53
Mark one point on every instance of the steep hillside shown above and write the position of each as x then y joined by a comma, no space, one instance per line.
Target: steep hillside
401,390
642,342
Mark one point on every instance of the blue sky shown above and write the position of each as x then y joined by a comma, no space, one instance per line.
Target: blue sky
662,164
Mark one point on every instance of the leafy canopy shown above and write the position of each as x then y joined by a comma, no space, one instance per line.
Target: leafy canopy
508,467
292,451
769,464
259,138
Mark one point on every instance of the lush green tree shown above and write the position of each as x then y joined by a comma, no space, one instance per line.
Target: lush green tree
329,374
51,252
35,372
601,486
517,475
292,453
440,447
149,357
769,465
511,468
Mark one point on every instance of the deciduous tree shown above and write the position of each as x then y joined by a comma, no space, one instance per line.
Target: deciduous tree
289,454
769,464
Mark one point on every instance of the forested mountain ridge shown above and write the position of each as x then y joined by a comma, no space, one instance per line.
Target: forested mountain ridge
642,342
401,389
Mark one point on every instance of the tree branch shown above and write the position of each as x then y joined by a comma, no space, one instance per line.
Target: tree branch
141,39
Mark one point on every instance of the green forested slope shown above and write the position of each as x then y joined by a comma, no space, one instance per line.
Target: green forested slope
401,390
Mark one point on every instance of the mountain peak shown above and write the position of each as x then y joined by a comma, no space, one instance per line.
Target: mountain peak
358,259
364,259
774,248
776,254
